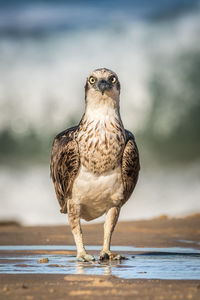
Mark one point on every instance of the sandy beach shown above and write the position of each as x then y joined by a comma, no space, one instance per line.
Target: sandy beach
159,233
48,50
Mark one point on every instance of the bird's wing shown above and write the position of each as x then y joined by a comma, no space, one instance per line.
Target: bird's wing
130,165
64,165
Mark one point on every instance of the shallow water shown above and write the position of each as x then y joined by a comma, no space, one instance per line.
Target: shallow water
147,263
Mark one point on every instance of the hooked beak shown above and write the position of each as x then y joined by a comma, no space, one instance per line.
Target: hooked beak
103,85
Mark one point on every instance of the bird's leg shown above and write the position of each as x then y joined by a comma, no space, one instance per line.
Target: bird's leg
74,220
109,225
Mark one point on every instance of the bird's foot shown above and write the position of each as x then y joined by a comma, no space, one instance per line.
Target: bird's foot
84,257
105,255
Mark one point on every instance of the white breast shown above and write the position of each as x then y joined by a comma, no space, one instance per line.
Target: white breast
95,194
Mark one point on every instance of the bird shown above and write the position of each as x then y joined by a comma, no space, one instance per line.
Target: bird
95,165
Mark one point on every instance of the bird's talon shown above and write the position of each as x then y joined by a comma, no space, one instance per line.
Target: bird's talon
85,257
110,256
119,257
104,256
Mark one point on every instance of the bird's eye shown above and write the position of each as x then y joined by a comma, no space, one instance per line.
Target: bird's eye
92,80
113,79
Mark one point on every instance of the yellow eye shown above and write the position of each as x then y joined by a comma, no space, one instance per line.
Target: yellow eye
113,79
92,80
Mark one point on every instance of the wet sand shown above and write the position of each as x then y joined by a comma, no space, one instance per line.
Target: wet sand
159,233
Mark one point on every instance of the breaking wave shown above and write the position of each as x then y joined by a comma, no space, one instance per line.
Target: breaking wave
47,50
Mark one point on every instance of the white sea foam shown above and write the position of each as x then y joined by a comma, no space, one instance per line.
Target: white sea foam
41,86
42,80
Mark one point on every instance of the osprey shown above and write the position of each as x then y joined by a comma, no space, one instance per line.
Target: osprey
95,165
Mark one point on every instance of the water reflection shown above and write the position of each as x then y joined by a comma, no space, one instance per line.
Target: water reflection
108,270
105,268
149,263
80,268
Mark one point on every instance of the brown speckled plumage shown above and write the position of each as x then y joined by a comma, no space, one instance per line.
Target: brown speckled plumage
130,166
64,165
95,165
106,152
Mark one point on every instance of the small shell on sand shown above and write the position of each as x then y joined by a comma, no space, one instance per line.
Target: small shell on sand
43,260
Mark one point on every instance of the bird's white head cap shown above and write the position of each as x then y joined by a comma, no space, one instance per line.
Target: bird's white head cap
102,88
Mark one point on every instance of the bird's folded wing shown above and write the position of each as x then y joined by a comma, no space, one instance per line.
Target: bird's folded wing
64,165
130,165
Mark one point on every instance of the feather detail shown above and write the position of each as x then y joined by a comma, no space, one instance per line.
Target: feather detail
64,165
130,165
101,146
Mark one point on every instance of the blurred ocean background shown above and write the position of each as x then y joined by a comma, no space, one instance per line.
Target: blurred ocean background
47,48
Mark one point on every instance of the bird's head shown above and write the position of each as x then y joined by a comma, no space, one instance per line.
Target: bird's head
102,87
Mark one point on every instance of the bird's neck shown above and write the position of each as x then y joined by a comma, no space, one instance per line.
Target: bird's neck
104,109
101,138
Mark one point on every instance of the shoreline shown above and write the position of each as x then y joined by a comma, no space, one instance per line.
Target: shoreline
157,232
160,232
